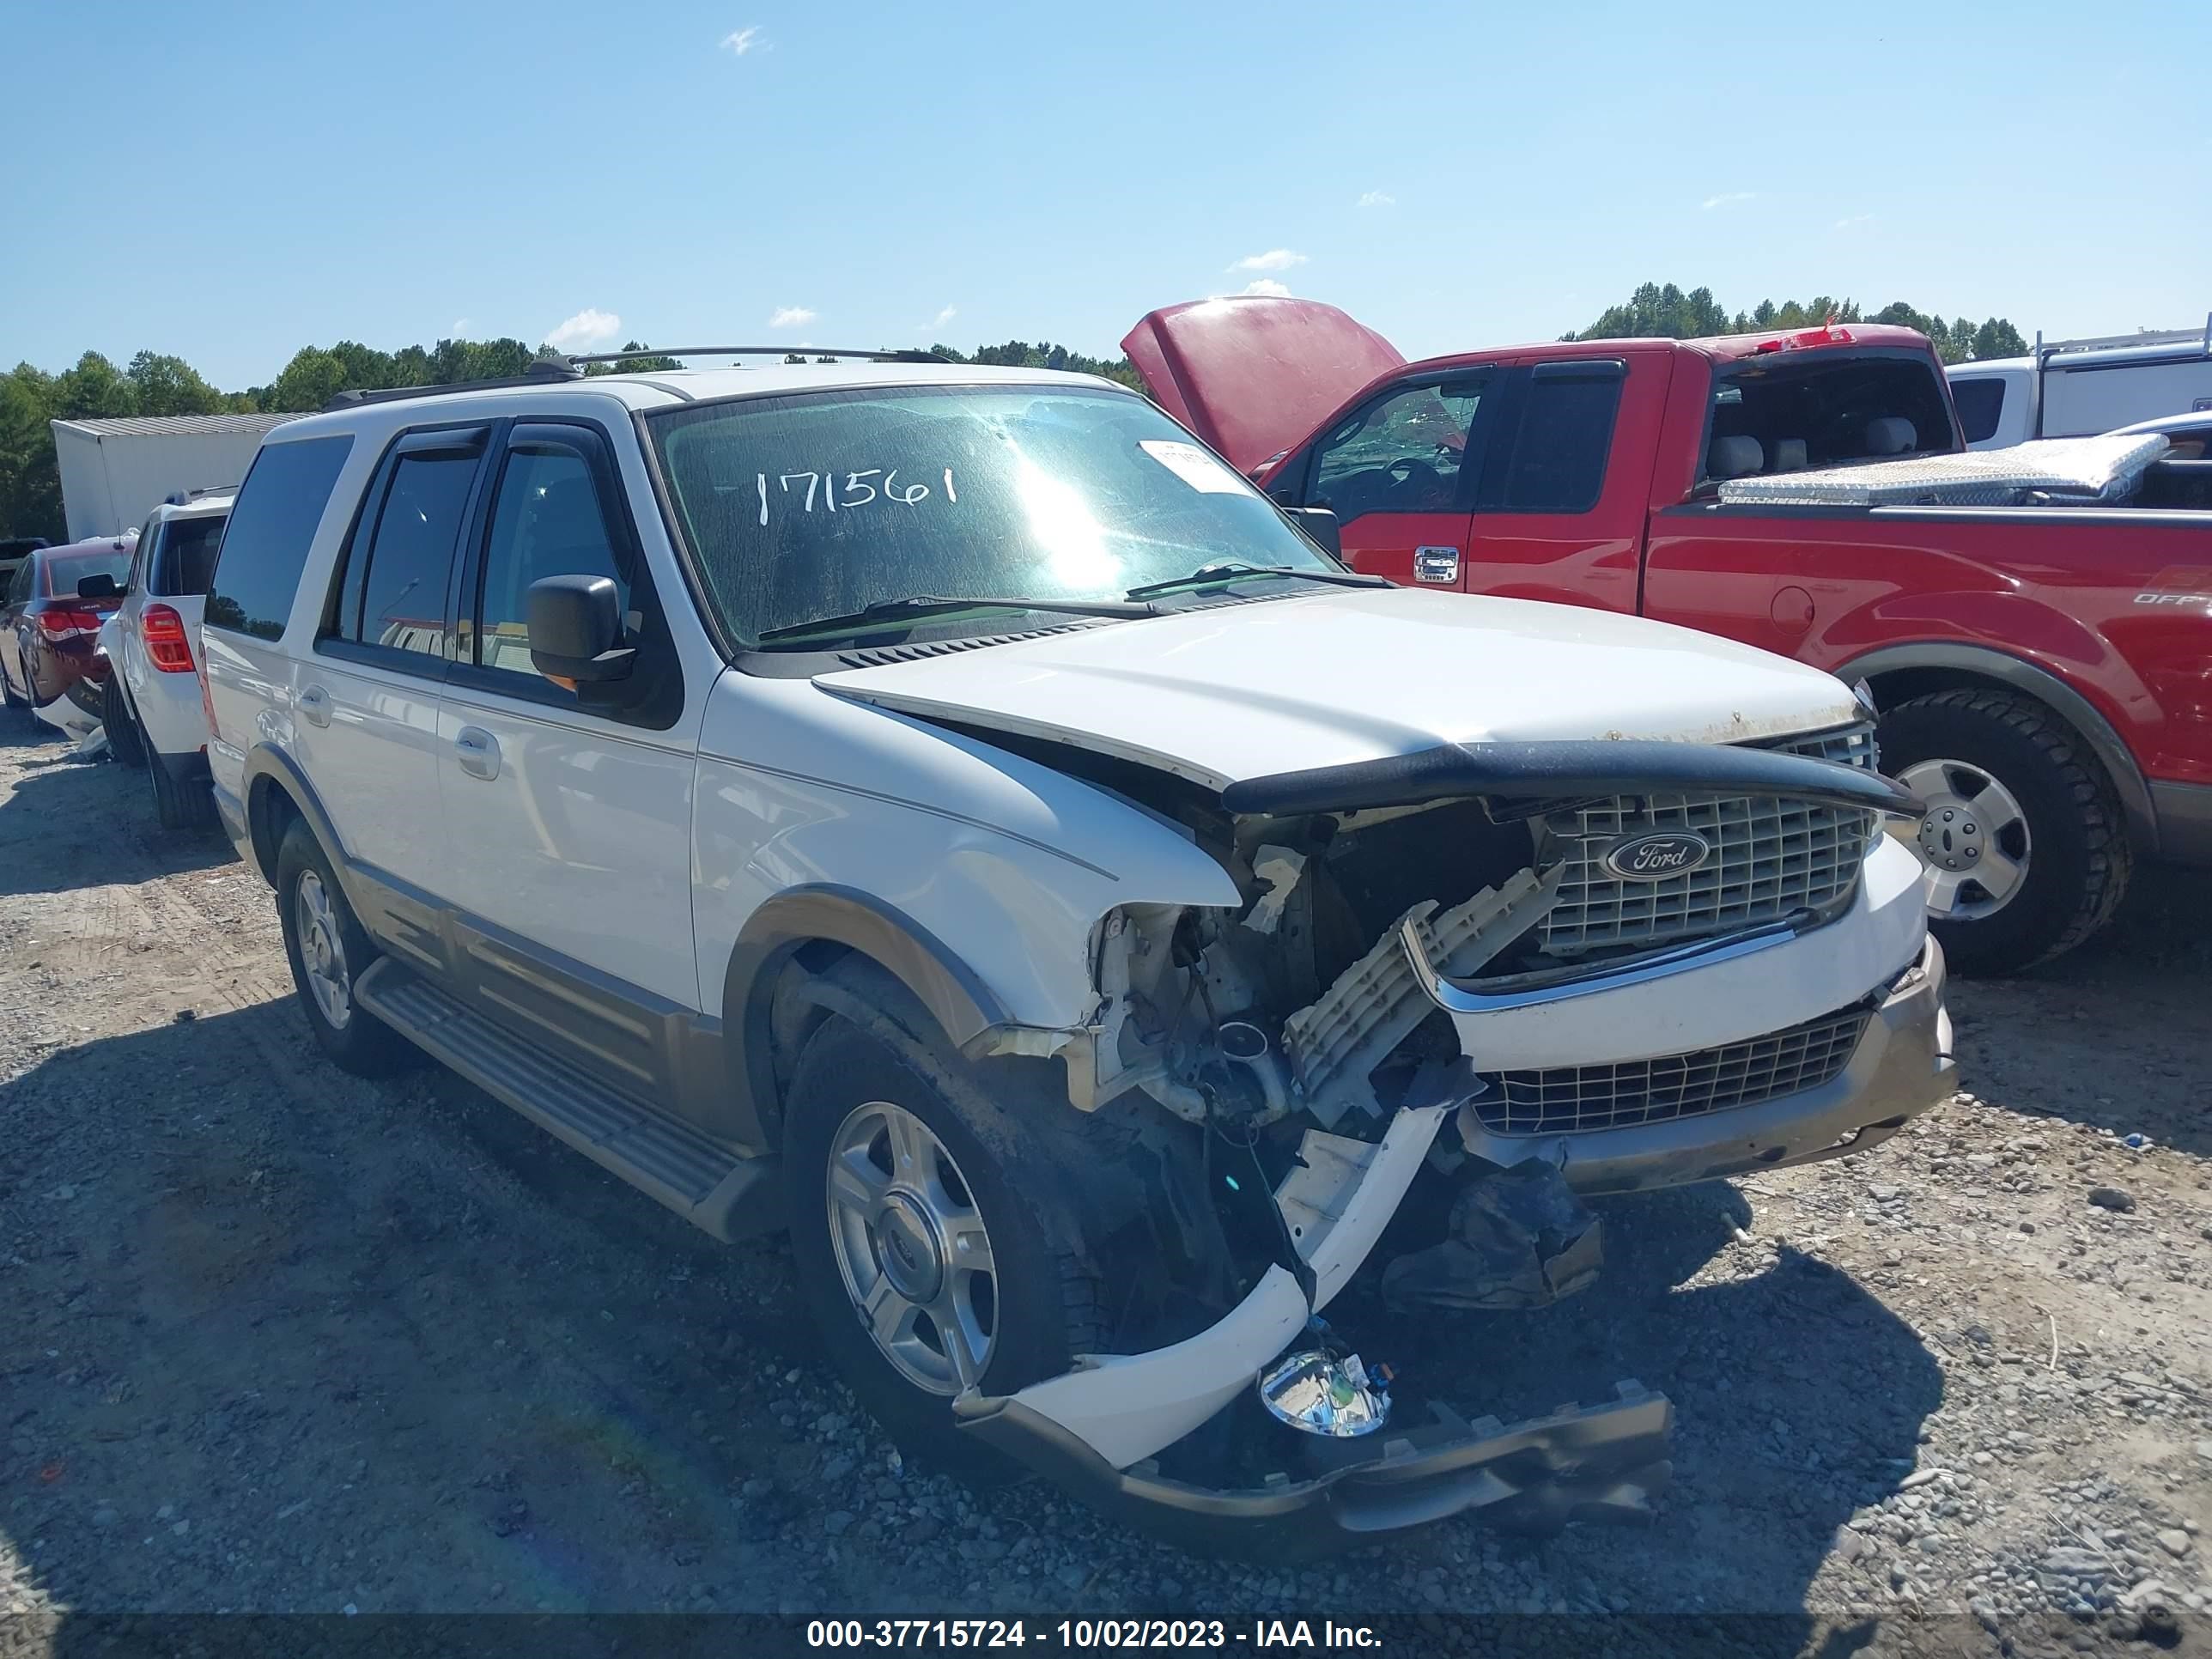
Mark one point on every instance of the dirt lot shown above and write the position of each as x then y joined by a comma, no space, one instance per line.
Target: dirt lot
275,1339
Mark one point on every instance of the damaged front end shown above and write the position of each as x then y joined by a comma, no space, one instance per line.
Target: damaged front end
1465,989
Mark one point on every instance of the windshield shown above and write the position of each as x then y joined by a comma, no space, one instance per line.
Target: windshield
812,506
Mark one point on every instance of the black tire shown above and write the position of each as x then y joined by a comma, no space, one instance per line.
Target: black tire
124,738
2080,858
361,1043
1046,1308
178,806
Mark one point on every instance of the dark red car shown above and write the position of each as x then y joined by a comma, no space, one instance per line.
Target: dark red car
50,658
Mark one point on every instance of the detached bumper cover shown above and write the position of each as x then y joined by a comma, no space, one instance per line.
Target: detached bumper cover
1580,1464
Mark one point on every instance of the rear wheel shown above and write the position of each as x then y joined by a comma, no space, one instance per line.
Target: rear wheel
920,1244
329,951
124,738
2025,852
187,805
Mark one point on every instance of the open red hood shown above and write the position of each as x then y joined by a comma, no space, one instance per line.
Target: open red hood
1252,375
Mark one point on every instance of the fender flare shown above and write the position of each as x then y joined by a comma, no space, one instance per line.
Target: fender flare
955,997
2017,674
267,761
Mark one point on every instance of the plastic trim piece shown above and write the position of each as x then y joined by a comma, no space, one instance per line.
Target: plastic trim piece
1563,770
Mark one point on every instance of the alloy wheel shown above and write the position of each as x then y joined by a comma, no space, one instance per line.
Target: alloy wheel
1974,840
912,1248
322,950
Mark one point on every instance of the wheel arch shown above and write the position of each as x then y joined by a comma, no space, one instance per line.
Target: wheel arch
803,937
276,791
1899,672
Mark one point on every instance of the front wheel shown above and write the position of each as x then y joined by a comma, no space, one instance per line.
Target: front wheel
2026,851
918,1244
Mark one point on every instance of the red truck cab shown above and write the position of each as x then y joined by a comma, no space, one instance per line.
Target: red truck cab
2045,670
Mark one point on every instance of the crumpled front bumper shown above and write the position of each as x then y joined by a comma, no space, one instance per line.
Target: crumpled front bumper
1099,1428
1580,1464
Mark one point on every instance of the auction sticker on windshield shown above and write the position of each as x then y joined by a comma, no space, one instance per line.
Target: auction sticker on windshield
1193,465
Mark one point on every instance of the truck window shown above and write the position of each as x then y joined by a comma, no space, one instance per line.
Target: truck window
1558,463
271,526
1403,454
1981,405
1826,409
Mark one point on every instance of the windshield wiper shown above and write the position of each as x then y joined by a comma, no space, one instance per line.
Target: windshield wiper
1234,572
917,606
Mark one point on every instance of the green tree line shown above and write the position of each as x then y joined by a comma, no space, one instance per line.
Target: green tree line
156,384
1654,311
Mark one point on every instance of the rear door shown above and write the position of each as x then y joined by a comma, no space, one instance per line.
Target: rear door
1400,471
1559,514
369,691
567,825
15,619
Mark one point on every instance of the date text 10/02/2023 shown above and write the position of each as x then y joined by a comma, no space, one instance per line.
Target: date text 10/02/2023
1086,1633
858,492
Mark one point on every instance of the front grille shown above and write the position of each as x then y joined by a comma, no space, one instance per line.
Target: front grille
1575,1099
1770,858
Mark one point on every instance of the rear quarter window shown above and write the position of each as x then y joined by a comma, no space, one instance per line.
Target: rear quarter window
1981,404
271,526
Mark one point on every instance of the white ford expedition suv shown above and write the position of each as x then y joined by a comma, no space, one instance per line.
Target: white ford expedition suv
947,812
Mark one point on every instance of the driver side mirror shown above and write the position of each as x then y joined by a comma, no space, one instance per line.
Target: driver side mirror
1320,525
101,586
575,627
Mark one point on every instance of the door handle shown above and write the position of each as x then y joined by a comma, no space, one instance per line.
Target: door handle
478,752
315,705
1435,564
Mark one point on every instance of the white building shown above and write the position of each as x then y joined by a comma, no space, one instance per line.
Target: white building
113,473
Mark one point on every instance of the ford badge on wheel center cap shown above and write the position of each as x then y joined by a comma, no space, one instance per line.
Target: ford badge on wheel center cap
1658,854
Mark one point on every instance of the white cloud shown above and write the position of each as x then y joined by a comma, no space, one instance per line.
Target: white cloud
944,316
1375,199
1854,221
1268,285
1275,258
1727,198
741,41
790,317
587,327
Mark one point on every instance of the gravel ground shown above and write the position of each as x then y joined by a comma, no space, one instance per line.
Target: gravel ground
274,1339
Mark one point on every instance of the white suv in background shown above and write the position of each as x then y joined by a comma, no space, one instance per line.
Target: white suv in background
154,713
947,811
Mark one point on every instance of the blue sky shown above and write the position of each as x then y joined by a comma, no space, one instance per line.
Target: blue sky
230,181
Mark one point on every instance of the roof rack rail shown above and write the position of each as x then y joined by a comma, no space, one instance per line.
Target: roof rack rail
881,354
186,497
558,368
2199,337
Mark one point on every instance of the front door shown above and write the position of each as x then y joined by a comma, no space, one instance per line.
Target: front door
567,825
1400,473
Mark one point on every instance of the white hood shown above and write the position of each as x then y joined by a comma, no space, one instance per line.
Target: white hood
1350,674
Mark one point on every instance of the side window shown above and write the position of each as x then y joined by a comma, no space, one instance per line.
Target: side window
1981,403
401,591
1403,454
271,527
19,590
547,520
142,557
1566,434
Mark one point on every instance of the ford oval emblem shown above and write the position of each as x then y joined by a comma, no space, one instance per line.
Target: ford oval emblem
1658,854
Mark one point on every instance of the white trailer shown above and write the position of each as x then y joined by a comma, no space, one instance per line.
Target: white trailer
115,473
2079,388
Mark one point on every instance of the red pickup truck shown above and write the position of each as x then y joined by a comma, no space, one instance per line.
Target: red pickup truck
2044,672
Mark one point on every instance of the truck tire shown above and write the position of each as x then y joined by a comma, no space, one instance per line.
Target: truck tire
329,951
2027,850
178,806
123,736
924,1201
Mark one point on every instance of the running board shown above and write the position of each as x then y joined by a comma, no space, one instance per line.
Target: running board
731,1197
